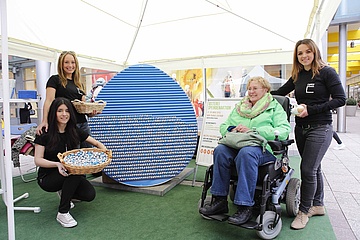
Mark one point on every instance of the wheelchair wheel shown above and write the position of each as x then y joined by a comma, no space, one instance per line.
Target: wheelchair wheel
293,197
268,231
207,201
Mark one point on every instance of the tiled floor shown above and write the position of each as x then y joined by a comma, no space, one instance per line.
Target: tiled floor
342,174
342,180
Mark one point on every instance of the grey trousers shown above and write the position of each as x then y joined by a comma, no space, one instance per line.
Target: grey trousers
312,142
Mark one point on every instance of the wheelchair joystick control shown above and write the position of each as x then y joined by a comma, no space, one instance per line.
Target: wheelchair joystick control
276,133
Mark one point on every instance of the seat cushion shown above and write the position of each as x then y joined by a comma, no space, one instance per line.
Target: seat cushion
26,149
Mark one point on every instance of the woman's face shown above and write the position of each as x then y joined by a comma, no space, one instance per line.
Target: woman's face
62,114
305,56
256,91
69,65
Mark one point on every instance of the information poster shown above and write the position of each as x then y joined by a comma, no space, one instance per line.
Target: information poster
216,112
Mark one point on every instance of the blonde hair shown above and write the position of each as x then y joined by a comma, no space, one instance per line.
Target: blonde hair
264,82
75,74
316,64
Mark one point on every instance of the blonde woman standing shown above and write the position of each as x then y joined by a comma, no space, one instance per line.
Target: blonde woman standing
66,84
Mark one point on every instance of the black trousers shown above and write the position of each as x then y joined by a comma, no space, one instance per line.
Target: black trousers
337,138
24,115
73,186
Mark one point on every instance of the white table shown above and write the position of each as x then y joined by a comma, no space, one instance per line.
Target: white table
3,173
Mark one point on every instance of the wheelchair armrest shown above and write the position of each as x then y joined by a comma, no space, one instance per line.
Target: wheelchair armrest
288,142
277,145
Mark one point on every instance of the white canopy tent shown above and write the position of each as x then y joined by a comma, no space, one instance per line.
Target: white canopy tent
177,34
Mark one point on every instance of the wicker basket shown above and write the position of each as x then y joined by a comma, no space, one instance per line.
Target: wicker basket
88,169
88,107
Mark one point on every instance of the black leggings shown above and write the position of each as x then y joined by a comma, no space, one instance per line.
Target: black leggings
337,138
73,186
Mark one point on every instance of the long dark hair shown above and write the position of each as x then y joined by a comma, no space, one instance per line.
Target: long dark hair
72,138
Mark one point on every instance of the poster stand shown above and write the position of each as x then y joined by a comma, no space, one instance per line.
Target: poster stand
216,112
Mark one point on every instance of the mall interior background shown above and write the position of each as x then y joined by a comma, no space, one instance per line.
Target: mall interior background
193,81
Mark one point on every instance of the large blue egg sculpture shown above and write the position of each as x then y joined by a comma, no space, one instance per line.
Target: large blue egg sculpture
148,123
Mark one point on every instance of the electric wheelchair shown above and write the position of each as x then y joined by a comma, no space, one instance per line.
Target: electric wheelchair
275,185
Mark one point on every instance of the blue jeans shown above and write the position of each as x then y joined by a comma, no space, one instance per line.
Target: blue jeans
312,143
85,126
247,160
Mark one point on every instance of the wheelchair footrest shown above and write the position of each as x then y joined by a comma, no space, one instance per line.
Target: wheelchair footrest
218,217
250,225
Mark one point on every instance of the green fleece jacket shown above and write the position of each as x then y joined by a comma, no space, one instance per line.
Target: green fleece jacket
273,118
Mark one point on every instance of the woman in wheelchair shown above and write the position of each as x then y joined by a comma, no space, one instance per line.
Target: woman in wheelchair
256,110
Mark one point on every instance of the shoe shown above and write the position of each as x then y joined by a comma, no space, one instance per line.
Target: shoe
300,221
72,205
66,220
316,211
340,147
243,214
217,206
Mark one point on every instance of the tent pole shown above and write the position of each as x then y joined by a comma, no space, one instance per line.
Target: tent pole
136,33
8,191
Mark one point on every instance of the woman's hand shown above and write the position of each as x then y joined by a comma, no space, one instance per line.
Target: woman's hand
94,113
241,128
39,129
304,112
62,170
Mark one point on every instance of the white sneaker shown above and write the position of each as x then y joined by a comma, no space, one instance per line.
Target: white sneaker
72,205
66,220
340,146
